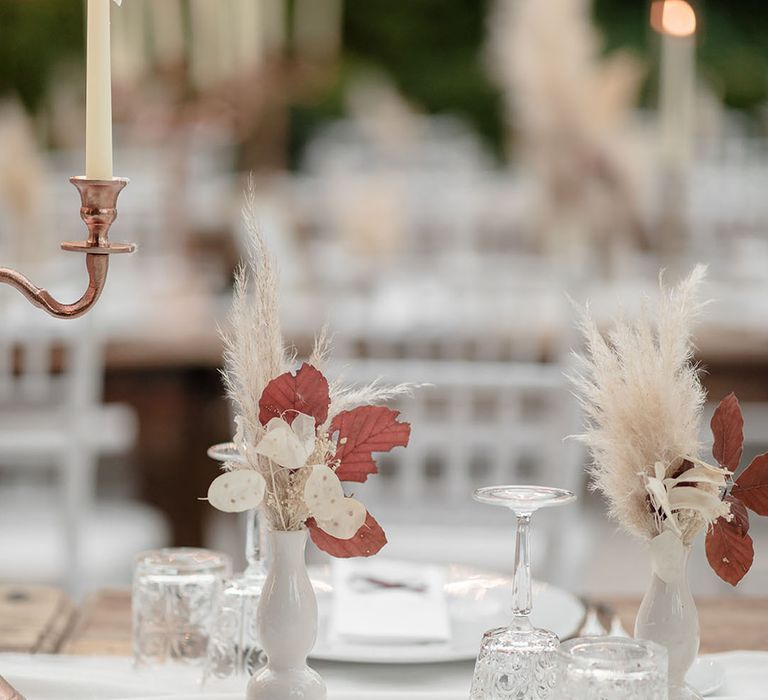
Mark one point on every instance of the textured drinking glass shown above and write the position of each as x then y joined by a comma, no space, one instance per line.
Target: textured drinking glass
174,595
517,662
611,668
234,647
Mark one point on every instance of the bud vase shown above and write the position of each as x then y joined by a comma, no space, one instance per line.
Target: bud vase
287,625
668,616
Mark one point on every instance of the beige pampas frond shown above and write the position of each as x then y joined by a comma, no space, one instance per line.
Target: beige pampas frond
345,397
254,351
254,354
322,348
640,390
569,108
548,59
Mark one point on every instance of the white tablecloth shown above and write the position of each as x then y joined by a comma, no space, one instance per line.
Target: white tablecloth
44,677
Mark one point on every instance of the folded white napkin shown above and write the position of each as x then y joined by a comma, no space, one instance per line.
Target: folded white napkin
377,601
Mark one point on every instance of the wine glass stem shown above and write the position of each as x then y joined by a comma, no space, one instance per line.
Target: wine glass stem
521,585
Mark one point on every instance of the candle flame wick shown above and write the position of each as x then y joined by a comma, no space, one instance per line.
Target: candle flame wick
673,17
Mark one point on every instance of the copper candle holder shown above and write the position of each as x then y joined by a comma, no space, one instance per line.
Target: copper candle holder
98,210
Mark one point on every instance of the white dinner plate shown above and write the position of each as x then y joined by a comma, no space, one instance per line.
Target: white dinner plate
477,601
706,675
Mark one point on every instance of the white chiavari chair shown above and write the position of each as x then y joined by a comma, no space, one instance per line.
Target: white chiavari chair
477,423
54,428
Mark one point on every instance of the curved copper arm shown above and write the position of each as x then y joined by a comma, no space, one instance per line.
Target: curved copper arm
97,266
98,210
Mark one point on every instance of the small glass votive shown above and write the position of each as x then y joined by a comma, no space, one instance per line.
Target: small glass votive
174,595
610,668
234,648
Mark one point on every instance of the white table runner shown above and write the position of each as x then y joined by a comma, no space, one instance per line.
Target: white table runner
43,677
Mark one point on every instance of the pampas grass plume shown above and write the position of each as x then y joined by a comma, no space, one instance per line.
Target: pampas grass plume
642,397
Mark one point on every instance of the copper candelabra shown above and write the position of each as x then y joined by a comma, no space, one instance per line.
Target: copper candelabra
98,210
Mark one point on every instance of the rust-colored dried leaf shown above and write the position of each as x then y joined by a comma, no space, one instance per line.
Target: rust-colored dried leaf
729,552
369,540
728,429
751,487
289,394
363,431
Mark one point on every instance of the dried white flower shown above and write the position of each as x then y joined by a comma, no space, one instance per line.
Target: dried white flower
345,523
673,496
334,513
237,490
288,445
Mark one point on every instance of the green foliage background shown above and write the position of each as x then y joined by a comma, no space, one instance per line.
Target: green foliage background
35,36
433,51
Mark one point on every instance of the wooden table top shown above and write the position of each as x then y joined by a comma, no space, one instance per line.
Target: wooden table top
34,618
37,619
727,624
102,626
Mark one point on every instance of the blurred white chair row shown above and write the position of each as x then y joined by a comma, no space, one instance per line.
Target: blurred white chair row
54,427
430,193
475,424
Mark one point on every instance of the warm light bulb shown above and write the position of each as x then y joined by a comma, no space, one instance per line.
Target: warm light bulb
673,17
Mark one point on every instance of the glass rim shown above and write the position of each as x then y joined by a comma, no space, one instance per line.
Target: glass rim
583,653
182,560
523,497
225,452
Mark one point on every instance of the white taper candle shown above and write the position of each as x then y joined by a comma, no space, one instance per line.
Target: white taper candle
98,99
677,92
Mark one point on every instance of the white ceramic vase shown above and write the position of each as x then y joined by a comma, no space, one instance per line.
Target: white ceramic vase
668,616
287,625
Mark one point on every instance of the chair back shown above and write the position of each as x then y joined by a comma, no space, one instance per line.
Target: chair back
43,364
54,427
474,424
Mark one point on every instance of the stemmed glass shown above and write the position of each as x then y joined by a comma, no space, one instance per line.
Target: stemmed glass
234,647
518,661
255,540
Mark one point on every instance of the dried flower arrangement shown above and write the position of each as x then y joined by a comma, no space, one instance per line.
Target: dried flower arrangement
571,115
299,436
642,396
